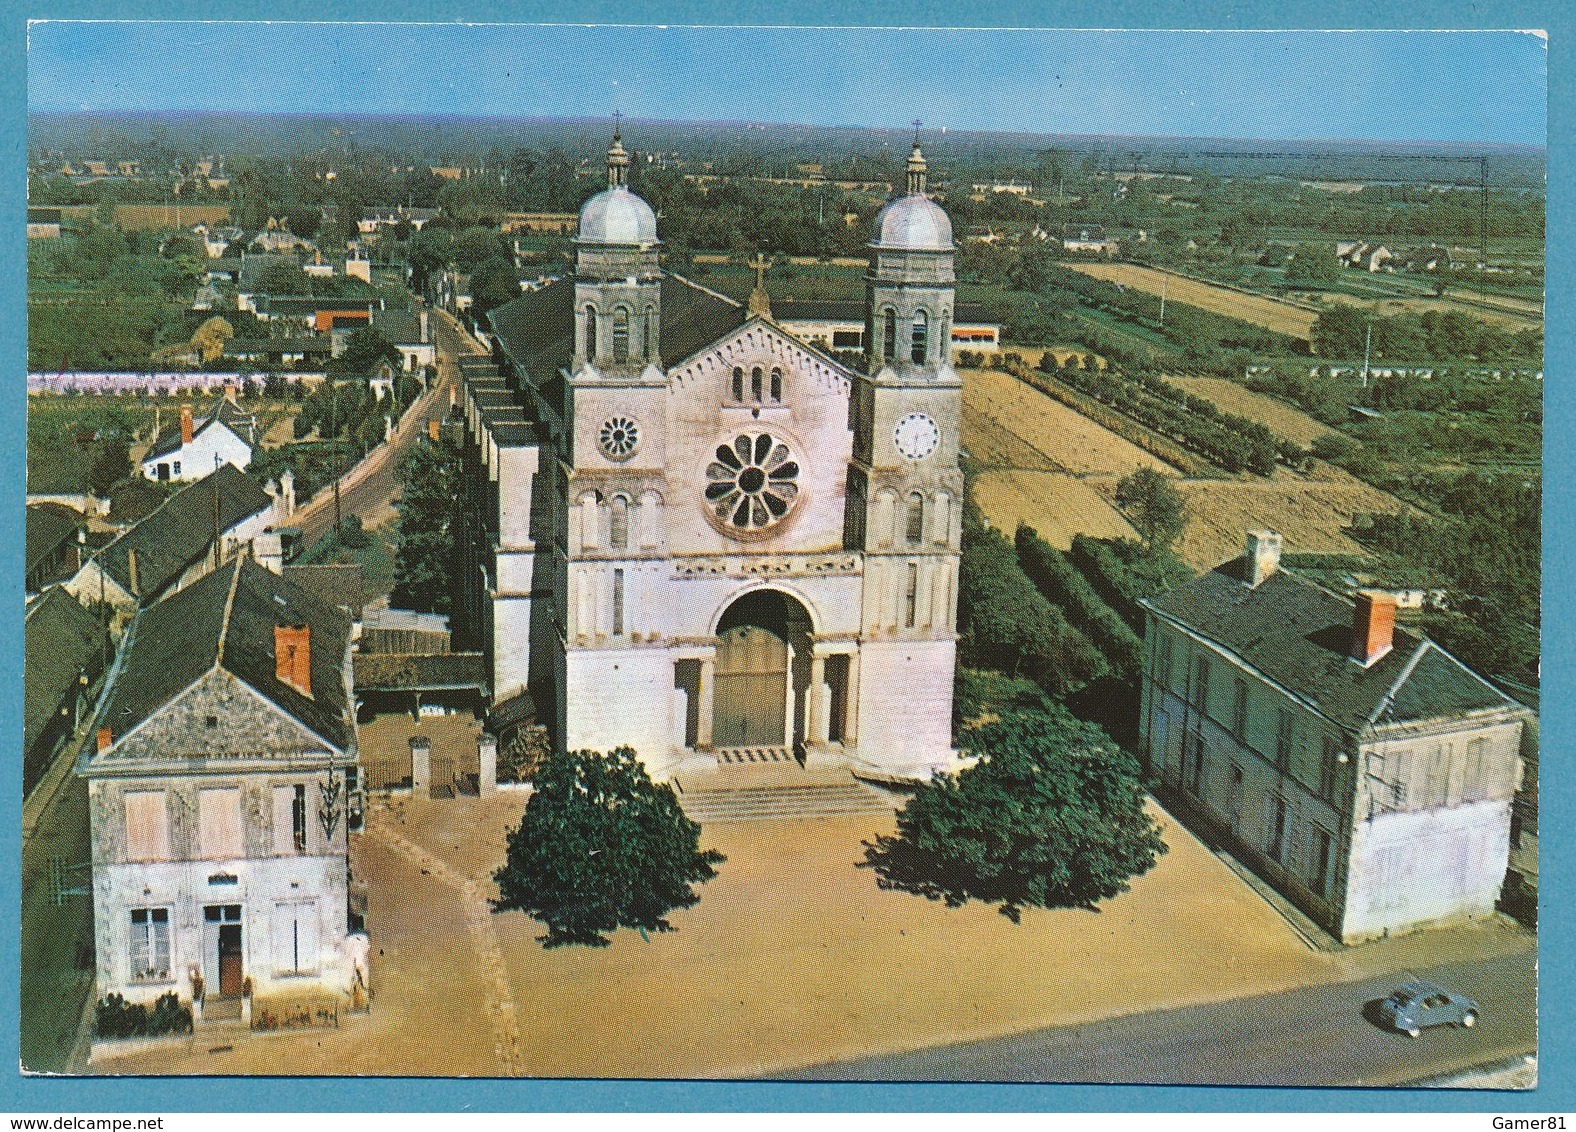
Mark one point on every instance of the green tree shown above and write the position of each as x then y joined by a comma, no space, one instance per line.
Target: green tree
423,563
494,283
1052,816
363,349
1154,507
111,465
601,847
1312,265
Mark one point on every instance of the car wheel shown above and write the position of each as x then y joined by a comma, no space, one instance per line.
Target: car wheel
1469,1019
1414,1032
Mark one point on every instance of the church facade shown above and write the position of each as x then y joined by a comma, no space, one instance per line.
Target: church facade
694,534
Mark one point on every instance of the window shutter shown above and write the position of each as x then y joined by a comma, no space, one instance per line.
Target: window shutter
147,826
284,827
306,935
284,938
219,822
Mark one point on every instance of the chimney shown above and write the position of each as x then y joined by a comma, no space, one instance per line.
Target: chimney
424,327
131,571
1264,552
293,657
432,429
186,424
230,393
1373,626
106,739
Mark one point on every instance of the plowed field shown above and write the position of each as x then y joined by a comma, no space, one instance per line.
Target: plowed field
1006,424
1277,416
1056,505
1312,515
1282,318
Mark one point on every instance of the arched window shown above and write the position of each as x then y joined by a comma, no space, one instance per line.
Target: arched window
888,334
620,335
618,527
648,334
590,331
921,337
738,383
914,518
756,378
777,386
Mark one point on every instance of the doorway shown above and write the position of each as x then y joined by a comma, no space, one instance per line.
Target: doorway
224,966
763,672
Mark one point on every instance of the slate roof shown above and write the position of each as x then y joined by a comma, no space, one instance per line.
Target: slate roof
60,639
227,620
538,329
403,328
231,416
411,671
48,525
1297,634
179,532
341,585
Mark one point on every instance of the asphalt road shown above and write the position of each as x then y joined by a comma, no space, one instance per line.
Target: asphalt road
372,496
1310,1036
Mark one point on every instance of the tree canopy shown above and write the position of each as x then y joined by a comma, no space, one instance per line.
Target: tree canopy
602,847
1052,815
1154,507
424,560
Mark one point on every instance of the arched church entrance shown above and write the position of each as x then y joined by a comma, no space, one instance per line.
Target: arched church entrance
762,673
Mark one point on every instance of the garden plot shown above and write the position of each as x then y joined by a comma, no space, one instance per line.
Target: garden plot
1277,416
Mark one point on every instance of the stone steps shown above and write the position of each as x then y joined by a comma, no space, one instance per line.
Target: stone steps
756,803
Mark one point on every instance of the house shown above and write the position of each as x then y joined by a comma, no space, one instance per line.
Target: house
377,219
188,536
222,785
292,350
53,535
194,448
453,291
1356,766
65,649
43,223
1087,238
410,333
549,223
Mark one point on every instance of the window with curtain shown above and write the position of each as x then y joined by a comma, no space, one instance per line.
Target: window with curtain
150,944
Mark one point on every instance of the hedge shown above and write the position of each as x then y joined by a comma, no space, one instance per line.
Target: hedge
1062,584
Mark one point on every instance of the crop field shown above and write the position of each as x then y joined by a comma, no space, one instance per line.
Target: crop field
1055,504
1312,514
1006,424
1273,315
1511,314
1277,416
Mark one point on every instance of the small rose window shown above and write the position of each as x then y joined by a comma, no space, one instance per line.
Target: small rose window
618,438
753,482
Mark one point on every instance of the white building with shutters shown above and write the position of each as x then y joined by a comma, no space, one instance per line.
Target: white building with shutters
696,533
221,787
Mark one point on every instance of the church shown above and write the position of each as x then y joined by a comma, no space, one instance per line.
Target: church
689,532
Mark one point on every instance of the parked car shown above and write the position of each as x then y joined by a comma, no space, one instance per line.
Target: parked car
1414,1006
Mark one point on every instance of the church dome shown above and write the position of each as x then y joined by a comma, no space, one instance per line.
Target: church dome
914,223
617,216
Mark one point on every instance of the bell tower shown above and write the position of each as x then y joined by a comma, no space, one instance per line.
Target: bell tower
905,489
618,291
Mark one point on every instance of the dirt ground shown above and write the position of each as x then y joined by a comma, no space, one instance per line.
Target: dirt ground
1277,416
1311,512
1281,318
793,956
1056,505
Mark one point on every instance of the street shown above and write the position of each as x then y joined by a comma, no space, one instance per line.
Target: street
1314,1035
371,491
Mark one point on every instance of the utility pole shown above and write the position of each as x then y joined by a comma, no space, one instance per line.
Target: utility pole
1164,279
1367,342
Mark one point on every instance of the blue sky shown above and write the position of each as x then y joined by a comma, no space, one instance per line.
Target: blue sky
1378,85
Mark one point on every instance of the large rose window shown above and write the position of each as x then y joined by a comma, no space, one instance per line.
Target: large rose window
752,483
